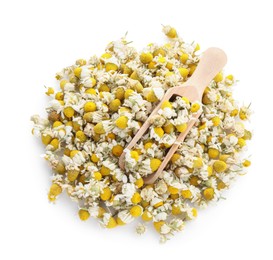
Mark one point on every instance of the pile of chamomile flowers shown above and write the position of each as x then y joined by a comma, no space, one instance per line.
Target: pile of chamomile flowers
98,107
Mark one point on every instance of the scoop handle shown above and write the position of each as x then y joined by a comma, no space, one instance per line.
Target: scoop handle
211,63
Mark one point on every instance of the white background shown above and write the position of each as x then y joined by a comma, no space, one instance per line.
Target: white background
38,38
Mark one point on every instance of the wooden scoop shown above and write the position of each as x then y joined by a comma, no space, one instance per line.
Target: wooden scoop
212,61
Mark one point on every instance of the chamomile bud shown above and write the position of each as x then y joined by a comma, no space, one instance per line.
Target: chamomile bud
50,91
59,96
246,163
197,47
106,194
176,210
146,57
81,136
72,175
73,153
46,139
114,105
99,129
117,150
97,176
216,120
119,93
54,143
161,60
152,65
192,68
234,112
175,157
184,72
77,72
91,91
166,104
83,214
173,190
60,168
137,86
111,67
169,31
136,211
128,93
151,97
69,112
111,223
139,183
136,198
158,225
57,124
90,107
218,77
241,142
184,57
134,155
63,83
169,128
159,51
208,193
159,131
104,171
198,163
146,216
135,76
213,153
186,194
106,56
181,127
195,107
154,164
121,122
219,166
55,189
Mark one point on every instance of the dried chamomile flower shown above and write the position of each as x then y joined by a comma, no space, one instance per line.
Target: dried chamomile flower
140,229
101,103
